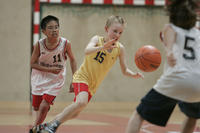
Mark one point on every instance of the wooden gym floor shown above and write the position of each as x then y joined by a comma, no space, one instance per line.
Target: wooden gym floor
16,117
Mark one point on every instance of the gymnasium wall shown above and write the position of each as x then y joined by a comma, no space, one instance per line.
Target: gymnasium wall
15,36
78,23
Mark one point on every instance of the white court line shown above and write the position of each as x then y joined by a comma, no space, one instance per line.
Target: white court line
146,131
144,128
147,125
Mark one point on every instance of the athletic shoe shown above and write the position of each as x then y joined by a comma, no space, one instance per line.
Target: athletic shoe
50,127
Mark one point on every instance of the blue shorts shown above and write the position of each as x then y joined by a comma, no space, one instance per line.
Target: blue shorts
157,108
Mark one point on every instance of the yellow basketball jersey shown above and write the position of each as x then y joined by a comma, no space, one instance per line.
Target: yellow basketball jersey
96,66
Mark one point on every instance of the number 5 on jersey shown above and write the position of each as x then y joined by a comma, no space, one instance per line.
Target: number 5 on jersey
189,40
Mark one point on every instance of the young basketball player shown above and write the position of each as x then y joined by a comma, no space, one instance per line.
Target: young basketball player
48,63
100,55
189,123
179,82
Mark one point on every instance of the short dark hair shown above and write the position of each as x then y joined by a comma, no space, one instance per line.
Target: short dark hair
182,13
46,20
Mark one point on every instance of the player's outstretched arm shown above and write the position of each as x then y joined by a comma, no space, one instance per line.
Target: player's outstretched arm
125,70
92,46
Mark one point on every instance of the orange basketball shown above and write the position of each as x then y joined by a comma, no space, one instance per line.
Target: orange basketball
147,58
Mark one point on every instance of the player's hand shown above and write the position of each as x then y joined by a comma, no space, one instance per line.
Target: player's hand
109,44
71,88
138,75
171,60
55,71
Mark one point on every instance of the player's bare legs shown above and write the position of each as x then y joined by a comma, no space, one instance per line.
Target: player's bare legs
134,123
68,113
74,109
35,115
42,112
188,125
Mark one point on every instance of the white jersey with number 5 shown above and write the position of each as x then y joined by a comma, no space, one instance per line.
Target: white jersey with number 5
46,82
182,81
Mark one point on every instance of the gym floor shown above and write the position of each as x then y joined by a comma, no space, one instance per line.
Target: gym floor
17,117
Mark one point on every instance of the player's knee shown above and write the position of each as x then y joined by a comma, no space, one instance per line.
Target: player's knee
44,107
35,108
81,104
75,115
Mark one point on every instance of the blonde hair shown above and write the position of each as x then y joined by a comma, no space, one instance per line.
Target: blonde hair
114,19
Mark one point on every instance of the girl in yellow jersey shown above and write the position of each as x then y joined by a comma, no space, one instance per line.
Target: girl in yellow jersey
100,55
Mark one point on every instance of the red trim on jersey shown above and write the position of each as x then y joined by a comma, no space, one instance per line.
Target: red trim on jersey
149,2
128,2
79,87
108,2
65,51
36,28
53,48
66,1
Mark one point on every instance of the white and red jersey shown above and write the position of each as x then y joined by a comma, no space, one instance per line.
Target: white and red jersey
46,82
